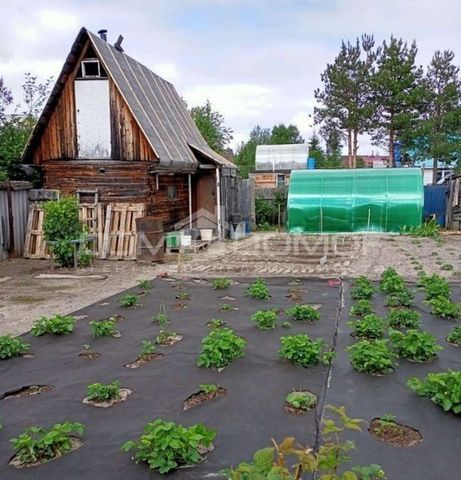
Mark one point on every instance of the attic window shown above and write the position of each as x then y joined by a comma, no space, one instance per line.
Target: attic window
91,68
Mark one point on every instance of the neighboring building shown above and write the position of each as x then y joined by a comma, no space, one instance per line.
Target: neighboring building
114,126
369,161
444,171
274,164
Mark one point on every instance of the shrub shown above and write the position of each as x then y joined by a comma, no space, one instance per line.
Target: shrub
301,400
429,229
60,225
445,308
361,308
103,328
98,392
304,313
165,446
221,283
370,326
455,336
362,288
208,387
57,325
404,318
415,345
220,348
258,289
147,348
37,444
372,356
301,350
401,298
128,300
12,347
434,286
443,388
265,319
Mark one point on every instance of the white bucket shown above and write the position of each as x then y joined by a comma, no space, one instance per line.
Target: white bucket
206,234
186,240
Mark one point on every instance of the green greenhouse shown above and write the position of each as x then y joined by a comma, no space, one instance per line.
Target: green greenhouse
355,200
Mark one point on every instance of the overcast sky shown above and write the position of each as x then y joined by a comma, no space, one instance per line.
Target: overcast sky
257,61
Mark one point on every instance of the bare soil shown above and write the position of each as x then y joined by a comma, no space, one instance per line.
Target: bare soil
140,361
201,397
27,391
395,433
124,394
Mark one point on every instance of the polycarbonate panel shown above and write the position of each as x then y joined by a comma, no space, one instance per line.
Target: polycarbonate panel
359,200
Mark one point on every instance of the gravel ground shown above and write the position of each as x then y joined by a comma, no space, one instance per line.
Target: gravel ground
24,298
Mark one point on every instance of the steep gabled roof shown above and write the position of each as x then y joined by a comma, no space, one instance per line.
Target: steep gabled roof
154,103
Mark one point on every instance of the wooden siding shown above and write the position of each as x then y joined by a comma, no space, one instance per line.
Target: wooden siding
128,141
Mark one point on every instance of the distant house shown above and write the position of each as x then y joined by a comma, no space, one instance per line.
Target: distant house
114,126
444,171
274,164
369,161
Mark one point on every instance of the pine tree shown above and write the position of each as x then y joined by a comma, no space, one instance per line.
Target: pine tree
316,151
246,151
283,135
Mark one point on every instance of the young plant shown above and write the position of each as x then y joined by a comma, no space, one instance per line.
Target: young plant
404,318
144,284
454,336
303,313
265,319
301,350
288,461
372,356
38,445
301,400
165,446
401,298
103,328
161,318
445,308
12,347
215,323
434,286
415,345
208,388
220,348
370,326
362,288
182,296
128,300
165,337
221,283
286,325
391,282
361,308
227,307
147,349
258,289
97,392
57,325
443,388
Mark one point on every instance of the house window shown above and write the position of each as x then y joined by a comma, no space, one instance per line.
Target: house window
280,180
172,191
91,68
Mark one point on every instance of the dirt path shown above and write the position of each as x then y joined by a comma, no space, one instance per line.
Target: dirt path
24,298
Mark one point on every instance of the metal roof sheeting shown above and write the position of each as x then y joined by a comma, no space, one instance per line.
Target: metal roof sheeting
282,157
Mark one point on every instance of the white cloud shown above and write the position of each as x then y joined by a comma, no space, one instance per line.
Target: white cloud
168,71
57,20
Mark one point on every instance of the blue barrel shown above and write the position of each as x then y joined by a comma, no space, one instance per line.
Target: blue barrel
311,163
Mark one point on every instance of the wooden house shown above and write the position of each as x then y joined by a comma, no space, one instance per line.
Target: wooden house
113,126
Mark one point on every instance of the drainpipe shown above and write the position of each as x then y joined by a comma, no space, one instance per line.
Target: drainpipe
190,200
218,203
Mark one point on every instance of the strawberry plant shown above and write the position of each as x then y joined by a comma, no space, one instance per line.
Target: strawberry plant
362,288
57,325
265,319
370,326
97,392
286,325
165,446
37,445
104,328
414,345
227,307
208,388
147,349
301,350
454,336
12,347
144,284
404,318
391,282
161,318
400,298
167,337
128,301
303,313
445,308
434,286
221,283
372,356
220,348
215,323
258,289
443,388
361,308
301,400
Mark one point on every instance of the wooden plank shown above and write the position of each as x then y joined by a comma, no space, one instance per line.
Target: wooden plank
106,236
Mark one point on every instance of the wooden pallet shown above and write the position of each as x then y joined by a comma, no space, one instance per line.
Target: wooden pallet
92,216
196,247
120,235
35,245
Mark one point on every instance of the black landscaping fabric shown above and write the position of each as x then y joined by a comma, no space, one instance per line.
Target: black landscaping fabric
245,420
367,397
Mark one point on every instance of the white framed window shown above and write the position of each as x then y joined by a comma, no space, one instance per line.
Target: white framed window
280,180
91,68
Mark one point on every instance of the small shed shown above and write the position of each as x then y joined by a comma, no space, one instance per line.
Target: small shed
355,200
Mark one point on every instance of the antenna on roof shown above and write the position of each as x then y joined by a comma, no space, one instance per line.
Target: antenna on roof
103,34
118,43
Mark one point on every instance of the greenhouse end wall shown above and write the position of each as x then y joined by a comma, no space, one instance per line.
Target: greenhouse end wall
359,200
